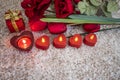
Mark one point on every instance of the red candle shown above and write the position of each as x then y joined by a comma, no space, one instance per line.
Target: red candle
75,41
24,41
60,41
90,39
43,42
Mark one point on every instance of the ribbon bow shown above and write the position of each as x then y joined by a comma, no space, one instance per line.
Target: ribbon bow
13,16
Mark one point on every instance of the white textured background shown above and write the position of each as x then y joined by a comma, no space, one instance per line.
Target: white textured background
101,62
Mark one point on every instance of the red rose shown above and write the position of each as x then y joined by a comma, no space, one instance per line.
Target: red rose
63,8
29,12
29,8
76,1
35,7
57,28
91,27
34,10
27,4
41,6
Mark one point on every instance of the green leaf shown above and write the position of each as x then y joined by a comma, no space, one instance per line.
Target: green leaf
112,6
104,9
107,14
82,6
86,8
91,10
78,21
100,18
96,2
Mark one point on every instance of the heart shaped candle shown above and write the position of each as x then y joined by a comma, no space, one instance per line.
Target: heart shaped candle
24,41
90,39
60,41
43,42
75,41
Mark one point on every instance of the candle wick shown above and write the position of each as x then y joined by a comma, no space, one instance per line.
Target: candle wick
97,31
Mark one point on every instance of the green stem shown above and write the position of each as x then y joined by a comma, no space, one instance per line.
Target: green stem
83,34
78,21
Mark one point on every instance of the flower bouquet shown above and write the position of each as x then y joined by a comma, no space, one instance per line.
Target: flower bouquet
56,14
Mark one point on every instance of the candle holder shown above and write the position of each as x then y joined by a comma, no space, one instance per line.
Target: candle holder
90,39
43,42
60,41
75,41
24,41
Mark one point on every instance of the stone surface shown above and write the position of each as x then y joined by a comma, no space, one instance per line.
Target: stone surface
101,62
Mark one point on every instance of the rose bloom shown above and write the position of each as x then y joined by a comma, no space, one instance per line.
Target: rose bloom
63,8
76,1
34,10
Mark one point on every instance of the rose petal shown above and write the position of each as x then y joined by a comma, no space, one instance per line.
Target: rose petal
41,6
78,12
37,25
57,28
27,4
76,1
91,27
29,12
37,7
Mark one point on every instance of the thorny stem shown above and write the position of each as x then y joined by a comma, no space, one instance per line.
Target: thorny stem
83,34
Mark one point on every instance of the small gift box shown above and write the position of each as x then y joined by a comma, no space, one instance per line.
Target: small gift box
14,21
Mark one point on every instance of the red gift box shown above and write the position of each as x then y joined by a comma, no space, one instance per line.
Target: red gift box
14,21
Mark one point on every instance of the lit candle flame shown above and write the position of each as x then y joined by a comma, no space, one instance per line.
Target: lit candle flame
92,37
24,41
76,39
43,40
60,39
